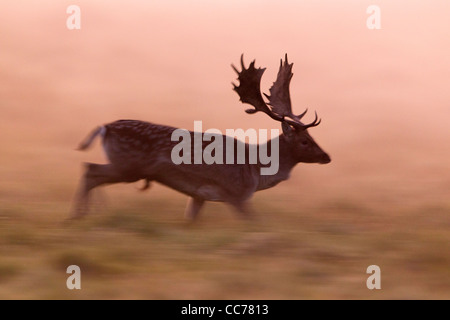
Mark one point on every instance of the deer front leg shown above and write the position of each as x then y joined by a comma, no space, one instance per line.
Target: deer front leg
193,208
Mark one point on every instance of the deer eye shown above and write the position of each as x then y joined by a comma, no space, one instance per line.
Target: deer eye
304,143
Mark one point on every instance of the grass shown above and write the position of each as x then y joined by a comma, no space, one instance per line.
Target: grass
149,251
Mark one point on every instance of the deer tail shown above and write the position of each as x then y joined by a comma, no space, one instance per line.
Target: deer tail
91,137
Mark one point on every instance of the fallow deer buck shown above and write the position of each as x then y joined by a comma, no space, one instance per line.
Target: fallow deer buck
139,150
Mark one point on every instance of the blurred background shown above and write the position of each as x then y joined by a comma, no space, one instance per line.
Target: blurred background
384,102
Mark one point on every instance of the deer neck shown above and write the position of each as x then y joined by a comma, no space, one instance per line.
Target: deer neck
286,162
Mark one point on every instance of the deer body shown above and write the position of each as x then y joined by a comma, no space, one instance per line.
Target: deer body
139,150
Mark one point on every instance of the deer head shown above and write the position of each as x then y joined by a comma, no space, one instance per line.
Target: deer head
302,146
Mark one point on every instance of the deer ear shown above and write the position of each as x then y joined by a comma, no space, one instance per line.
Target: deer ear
288,130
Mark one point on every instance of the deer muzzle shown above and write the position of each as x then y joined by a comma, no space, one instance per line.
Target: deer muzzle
325,159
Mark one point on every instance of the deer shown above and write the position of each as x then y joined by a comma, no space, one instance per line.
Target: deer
139,150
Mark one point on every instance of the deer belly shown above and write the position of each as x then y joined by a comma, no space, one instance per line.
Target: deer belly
189,187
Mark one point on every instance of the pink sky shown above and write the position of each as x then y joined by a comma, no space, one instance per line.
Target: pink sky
381,93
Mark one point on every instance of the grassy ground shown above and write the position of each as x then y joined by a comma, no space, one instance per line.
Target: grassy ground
146,250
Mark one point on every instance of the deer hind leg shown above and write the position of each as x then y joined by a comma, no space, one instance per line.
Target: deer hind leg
193,208
244,209
97,175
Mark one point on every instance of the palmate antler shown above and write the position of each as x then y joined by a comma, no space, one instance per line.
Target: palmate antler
279,105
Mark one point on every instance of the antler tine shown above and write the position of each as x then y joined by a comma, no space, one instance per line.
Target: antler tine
315,120
314,123
300,126
242,66
300,116
236,70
